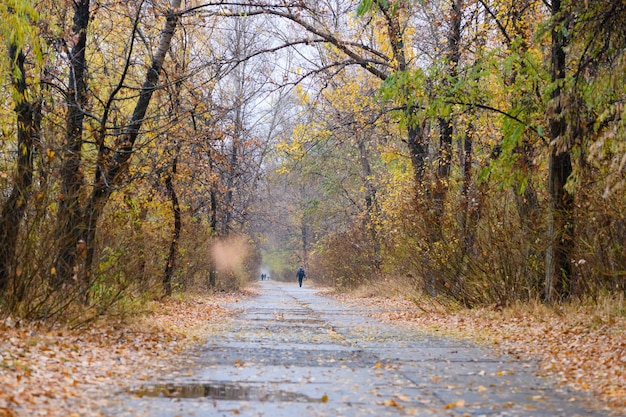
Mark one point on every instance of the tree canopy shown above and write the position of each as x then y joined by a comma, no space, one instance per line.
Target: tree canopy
474,146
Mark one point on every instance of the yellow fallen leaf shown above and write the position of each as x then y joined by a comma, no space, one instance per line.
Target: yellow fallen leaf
403,397
390,403
324,398
459,403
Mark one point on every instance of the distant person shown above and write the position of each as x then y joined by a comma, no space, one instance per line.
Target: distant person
300,274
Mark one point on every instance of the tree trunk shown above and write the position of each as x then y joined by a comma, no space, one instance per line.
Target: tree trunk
529,213
446,129
111,170
304,230
15,206
371,202
418,151
212,265
470,200
69,218
558,277
213,222
444,161
304,233
169,267
230,183
560,229
233,169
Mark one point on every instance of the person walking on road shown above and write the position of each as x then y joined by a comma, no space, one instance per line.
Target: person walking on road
300,274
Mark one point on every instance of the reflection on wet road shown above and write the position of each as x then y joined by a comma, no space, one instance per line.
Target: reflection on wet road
290,352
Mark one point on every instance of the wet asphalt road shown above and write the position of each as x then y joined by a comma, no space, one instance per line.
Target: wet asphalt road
292,353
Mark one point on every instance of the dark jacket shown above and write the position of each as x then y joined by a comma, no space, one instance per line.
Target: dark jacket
300,273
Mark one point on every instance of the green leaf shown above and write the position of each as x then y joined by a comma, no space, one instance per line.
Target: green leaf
364,7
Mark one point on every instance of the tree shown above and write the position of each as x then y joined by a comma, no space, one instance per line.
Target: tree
110,170
17,31
70,219
446,126
561,202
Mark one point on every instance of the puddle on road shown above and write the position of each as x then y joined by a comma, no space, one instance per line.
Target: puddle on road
221,391
288,320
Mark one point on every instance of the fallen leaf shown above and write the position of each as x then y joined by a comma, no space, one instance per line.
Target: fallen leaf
6,412
403,397
390,403
459,403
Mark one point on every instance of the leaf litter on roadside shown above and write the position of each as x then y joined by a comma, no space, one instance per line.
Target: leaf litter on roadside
61,372
582,348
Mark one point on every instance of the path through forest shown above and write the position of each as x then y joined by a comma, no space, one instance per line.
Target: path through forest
292,352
